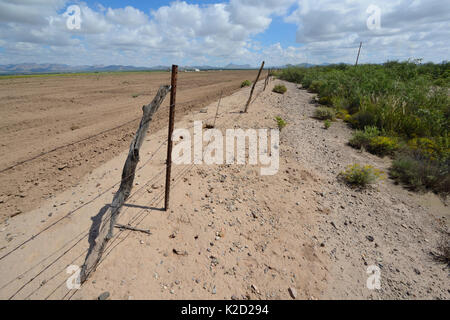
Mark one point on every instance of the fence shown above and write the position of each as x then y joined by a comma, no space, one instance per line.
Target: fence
103,226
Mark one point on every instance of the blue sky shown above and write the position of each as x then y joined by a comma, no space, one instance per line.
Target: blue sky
215,32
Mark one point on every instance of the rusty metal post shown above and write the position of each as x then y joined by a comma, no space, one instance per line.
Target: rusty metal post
253,87
173,93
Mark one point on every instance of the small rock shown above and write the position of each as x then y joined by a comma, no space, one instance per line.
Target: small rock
104,296
292,292
370,238
255,289
180,252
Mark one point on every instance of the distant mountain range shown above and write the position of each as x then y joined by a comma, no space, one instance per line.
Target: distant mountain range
35,68
31,68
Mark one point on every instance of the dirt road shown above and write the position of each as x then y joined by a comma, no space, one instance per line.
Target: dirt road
40,114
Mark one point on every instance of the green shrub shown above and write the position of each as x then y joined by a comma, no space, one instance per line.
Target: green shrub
348,118
362,138
342,114
279,88
246,83
324,113
327,124
417,172
433,149
315,86
358,175
280,122
443,250
406,100
382,146
363,119
325,101
291,74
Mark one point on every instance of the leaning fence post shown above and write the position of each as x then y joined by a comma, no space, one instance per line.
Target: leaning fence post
109,213
173,93
253,87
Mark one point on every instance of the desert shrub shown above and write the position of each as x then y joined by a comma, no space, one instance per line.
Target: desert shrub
363,119
280,122
406,100
279,88
341,113
433,149
348,118
417,172
324,113
246,83
382,146
325,101
327,124
315,86
362,138
291,74
361,176
443,247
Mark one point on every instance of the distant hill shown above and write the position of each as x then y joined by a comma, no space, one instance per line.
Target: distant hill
36,68
237,66
31,68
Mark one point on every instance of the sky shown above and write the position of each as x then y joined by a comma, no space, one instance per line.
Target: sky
214,32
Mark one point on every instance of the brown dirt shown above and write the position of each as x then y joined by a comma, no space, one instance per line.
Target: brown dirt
38,115
232,233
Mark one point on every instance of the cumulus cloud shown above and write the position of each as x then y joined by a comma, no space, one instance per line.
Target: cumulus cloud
186,33
407,29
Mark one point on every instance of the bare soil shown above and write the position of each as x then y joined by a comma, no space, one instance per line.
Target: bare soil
231,233
59,128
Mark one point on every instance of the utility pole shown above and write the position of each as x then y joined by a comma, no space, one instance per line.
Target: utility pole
359,50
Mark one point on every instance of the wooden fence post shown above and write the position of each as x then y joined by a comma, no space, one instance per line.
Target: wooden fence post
359,50
173,94
267,80
108,214
253,87
217,109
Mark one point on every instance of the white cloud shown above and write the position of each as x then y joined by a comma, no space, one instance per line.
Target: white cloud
408,29
180,32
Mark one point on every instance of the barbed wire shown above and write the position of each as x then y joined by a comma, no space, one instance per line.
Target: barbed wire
85,234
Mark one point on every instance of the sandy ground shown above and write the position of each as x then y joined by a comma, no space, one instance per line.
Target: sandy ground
231,233
88,120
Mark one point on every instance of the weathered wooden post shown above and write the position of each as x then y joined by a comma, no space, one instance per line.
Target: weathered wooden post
173,94
267,80
253,87
108,214
359,50
217,109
